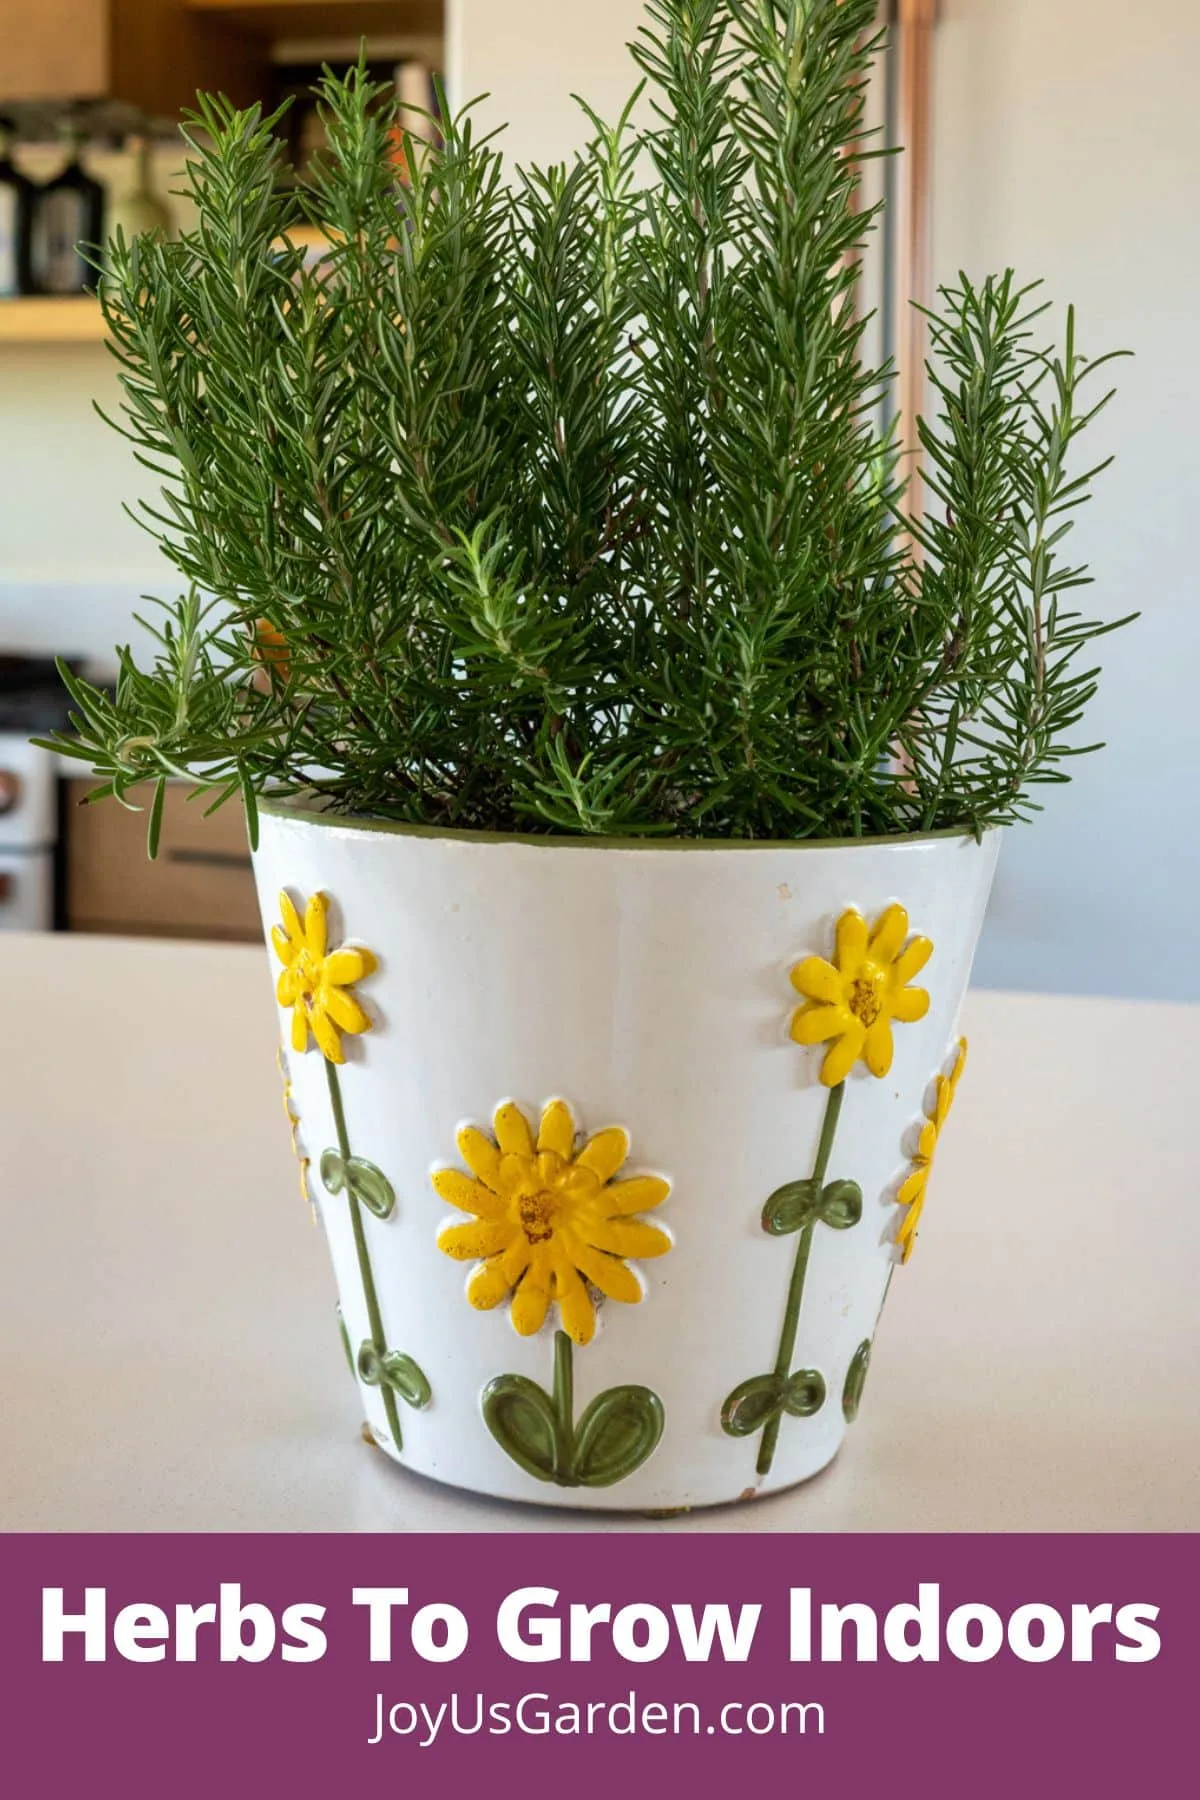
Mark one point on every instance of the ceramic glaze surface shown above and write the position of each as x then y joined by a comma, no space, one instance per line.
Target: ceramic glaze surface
589,1060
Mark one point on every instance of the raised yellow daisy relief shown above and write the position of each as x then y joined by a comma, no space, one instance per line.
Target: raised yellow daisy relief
852,1002
315,985
550,1226
913,1189
314,982
549,1223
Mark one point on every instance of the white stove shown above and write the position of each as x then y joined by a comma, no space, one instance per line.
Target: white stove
27,835
32,701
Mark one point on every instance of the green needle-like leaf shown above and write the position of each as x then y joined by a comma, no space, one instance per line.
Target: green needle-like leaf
558,499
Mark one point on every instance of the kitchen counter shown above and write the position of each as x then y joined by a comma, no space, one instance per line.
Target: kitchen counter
169,1358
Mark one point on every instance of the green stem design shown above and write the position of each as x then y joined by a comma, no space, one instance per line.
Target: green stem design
375,1318
791,1317
564,1397
538,1430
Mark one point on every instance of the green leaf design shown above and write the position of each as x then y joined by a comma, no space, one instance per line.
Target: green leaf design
406,1378
520,1416
856,1381
616,1435
753,1405
791,1207
369,1185
804,1393
372,1187
841,1205
396,1371
758,1402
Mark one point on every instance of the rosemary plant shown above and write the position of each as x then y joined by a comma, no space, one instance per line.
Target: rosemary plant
558,500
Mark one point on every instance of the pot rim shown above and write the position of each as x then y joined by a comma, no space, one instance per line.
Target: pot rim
317,815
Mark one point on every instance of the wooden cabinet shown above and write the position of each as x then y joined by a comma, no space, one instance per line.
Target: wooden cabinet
54,49
200,886
150,54
155,54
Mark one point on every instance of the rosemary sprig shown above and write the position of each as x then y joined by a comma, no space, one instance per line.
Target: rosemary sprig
561,493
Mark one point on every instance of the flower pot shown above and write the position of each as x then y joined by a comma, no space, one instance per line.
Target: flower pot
616,1147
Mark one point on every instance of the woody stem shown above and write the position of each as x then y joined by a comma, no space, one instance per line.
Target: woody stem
374,1316
791,1317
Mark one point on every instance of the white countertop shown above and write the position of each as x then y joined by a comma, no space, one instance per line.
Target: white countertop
169,1358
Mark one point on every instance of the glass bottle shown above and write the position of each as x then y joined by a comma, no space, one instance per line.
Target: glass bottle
67,212
138,208
16,208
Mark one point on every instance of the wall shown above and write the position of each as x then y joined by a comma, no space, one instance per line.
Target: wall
530,56
72,565
62,475
1067,147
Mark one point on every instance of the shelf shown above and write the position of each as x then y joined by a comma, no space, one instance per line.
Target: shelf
53,319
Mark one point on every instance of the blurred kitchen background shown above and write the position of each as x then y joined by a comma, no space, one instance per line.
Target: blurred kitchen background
1053,135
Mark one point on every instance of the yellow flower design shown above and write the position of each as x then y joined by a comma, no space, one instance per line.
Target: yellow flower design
854,999
913,1188
547,1220
314,983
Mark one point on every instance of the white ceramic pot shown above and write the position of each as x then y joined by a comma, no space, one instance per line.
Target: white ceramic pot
524,1323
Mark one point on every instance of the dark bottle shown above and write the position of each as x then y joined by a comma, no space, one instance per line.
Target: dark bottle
16,212
67,212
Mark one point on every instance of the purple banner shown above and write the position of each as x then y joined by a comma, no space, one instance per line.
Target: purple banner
194,1666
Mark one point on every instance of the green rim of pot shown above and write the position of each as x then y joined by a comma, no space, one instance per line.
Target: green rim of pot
316,815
